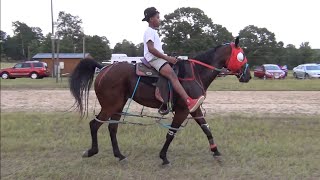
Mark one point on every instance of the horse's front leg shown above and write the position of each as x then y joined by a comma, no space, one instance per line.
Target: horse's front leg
198,116
179,117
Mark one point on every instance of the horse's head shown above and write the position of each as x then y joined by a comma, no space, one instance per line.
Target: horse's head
234,59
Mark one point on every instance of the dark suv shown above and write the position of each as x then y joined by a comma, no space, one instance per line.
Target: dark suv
32,69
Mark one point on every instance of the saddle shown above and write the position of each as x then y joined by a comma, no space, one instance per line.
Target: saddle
162,93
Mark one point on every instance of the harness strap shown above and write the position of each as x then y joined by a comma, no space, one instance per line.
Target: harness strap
105,72
134,92
205,65
95,118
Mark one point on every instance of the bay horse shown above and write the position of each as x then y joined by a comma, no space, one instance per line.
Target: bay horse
115,84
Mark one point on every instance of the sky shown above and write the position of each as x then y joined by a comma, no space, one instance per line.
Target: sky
293,22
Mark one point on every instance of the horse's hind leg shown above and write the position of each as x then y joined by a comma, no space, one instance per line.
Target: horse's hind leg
113,128
94,127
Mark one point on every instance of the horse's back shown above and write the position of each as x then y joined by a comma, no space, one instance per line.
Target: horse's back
114,74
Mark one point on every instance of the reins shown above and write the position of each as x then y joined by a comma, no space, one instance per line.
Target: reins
218,69
205,65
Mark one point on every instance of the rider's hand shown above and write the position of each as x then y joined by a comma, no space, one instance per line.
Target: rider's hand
172,60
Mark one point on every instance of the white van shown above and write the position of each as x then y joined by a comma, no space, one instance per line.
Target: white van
115,58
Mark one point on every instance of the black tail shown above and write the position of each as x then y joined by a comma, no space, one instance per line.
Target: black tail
80,82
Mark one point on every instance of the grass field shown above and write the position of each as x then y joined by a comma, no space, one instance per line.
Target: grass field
6,64
28,83
220,84
49,146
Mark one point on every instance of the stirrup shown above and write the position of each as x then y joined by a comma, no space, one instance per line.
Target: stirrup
162,111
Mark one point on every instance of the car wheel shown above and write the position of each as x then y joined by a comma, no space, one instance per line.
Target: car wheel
295,75
5,75
34,75
306,76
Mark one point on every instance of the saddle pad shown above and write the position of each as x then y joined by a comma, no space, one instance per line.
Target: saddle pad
143,70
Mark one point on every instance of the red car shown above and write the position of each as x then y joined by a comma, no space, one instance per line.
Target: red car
32,69
269,71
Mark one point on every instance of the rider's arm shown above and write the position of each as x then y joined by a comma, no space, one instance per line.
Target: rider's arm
158,54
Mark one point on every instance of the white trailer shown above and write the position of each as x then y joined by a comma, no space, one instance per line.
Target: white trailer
115,58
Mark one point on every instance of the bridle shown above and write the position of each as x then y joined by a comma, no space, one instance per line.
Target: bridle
238,74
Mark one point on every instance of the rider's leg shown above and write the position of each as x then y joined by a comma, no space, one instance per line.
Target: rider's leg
168,72
193,104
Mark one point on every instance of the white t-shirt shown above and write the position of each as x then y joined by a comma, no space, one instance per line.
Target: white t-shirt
151,34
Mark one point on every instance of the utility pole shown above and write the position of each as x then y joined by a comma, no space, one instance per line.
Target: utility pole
29,54
52,41
84,44
58,67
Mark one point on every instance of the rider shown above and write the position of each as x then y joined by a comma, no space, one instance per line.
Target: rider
154,54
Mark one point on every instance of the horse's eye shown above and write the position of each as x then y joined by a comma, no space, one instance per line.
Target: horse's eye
240,56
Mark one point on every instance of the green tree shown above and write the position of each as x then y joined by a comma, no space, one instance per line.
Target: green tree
3,36
140,49
45,46
66,45
12,49
306,53
25,37
189,31
292,56
316,56
69,28
98,47
125,47
259,44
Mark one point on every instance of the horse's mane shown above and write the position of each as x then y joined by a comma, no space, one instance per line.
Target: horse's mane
207,56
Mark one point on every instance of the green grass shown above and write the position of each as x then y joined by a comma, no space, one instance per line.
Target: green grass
229,83
49,146
28,83
7,64
289,84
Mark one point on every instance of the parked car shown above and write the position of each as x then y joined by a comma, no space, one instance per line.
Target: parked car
269,71
305,71
32,69
285,69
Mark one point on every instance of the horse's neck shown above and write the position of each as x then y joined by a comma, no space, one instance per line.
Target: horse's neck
207,76
217,60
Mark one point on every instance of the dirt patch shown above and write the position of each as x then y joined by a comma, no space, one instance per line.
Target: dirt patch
248,102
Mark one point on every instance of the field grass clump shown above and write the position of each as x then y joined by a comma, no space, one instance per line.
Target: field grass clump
49,146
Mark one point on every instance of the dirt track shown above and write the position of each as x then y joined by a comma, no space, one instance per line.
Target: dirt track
252,102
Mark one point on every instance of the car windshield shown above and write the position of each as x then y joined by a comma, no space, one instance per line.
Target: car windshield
18,66
313,68
272,67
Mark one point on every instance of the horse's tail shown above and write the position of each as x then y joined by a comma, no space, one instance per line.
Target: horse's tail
80,82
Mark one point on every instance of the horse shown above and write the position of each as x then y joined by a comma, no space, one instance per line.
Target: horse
115,84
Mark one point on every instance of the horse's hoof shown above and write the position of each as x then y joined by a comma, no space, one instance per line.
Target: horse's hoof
89,153
124,161
216,154
218,159
85,154
166,164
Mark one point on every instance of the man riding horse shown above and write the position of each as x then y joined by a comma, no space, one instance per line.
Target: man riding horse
154,54
116,83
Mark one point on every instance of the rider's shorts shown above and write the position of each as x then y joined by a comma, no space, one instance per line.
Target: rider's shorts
158,63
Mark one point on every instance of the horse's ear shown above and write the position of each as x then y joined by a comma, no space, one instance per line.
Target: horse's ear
237,41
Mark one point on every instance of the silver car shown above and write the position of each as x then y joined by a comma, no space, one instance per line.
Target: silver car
305,71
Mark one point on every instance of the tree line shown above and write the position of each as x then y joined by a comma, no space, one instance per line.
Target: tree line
186,31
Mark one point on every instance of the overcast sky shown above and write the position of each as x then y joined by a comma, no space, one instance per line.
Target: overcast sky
293,21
